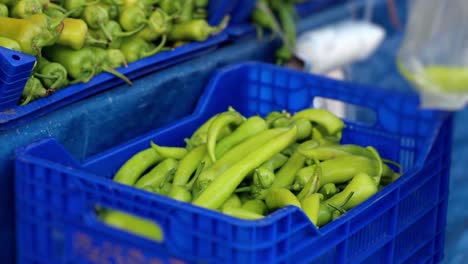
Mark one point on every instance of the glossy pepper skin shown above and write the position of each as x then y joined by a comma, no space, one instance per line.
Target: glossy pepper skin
195,30
80,64
4,10
33,90
75,34
159,24
32,34
26,8
52,74
9,44
135,48
225,184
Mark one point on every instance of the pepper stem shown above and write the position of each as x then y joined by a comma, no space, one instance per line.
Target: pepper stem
217,29
167,178
65,15
93,41
105,31
55,6
56,84
376,154
44,76
118,74
85,78
130,33
243,189
197,173
312,185
396,164
157,49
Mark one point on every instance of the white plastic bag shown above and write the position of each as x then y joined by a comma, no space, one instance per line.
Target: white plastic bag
434,53
337,45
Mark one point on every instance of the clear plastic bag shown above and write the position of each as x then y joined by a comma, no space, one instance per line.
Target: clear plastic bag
434,53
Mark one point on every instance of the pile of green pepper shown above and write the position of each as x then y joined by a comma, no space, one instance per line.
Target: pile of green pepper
250,167
76,39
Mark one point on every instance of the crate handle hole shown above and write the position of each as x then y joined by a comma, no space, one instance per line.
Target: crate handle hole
16,57
350,112
130,223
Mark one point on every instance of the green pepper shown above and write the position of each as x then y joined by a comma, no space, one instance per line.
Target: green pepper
234,155
133,224
286,14
3,10
26,8
263,17
52,75
145,5
33,90
225,184
186,13
241,213
132,169
75,34
362,186
277,198
312,185
199,137
170,152
159,24
201,3
255,206
170,7
195,30
157,174
9,44
80,64
232,201
304,128
330,212
264,176
285,176
77,6
162,185
103,64
117,34
231,117
311,207
96,16
188,165
342,169
180,193
116,58
53,12
30,33
250,127
136,48
200,13
330,122
328,190
132,18
181,189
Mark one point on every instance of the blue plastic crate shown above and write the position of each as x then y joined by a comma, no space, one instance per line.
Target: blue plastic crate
14,64
12,115
15,68
56,194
